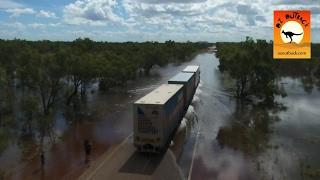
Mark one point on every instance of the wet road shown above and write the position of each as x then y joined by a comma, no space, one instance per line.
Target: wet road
236,141
225,141
210,159
106,119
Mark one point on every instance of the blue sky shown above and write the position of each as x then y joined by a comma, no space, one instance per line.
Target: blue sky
143,20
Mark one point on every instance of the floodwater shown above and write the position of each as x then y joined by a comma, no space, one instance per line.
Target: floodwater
235,140
223,139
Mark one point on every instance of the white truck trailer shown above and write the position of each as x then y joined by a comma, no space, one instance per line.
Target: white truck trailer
194,69
156,117
188,82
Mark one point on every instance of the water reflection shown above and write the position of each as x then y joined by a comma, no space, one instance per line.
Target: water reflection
104,118
250,127
184,132
225,138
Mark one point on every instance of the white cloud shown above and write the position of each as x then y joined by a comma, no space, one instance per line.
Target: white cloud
170,1
212,20
8,4
47,14
95,12
43,25
37,25
149,10
194,16
186,17
13,25
293,2
16,12
54,24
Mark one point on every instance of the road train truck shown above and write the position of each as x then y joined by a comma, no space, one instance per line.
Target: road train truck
156,116
196,70
188,82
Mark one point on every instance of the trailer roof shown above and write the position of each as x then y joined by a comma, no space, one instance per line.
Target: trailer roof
181,77
160,95
192,68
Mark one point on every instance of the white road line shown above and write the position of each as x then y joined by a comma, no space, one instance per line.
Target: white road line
108,157
193,155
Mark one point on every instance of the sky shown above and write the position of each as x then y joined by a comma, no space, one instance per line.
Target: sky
146,20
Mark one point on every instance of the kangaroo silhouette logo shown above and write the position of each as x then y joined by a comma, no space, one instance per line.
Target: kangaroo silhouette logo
291,31
292,36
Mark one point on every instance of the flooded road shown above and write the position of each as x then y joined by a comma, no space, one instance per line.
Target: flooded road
224,140
244,141
106,119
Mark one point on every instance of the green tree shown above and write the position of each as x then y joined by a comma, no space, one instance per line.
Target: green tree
43,74
250,63
81,71
29,109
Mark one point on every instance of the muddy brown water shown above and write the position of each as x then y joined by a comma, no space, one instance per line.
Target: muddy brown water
227,141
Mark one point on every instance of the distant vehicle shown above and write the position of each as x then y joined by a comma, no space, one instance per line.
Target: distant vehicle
158,114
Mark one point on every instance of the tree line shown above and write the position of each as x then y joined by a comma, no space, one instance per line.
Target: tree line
35,74
256,73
